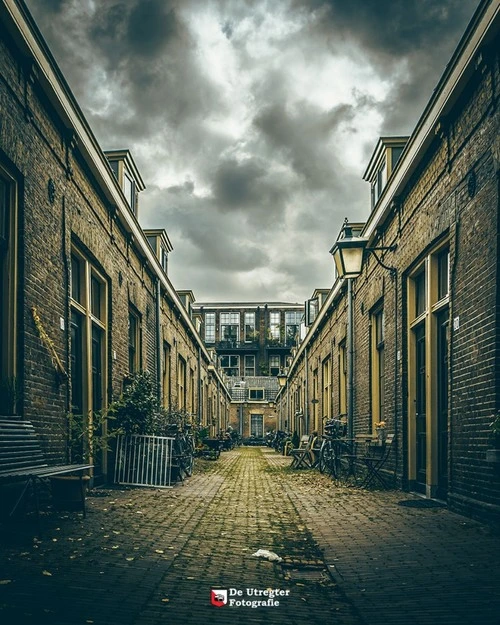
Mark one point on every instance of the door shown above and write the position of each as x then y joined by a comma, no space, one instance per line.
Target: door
420,410
257,425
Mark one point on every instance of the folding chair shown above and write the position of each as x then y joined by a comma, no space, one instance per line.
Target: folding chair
375,463
301,457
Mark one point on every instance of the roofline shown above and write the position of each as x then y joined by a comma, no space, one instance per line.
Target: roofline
481,28
27,35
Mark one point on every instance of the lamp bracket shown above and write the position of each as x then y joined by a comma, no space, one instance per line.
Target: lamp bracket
384,248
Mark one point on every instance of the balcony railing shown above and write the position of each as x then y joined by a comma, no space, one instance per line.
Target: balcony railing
229,344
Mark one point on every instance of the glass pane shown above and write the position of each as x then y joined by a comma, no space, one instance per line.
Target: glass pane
95,297
76,283
420,303
76,358
97,367
443,274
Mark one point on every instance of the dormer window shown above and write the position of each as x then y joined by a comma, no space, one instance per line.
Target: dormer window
127,175
161,246
382,163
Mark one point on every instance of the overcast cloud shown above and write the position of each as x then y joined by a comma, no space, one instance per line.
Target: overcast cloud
251,122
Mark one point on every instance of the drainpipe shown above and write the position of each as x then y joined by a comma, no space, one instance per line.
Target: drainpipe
158,342
200,400
350,361
397,378
306,398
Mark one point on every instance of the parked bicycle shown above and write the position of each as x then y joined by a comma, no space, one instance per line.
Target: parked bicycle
333,448
182,449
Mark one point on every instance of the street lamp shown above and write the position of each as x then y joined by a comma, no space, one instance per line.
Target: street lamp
282,379
349,253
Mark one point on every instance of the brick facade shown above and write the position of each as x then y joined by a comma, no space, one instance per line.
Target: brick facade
66,201
443,198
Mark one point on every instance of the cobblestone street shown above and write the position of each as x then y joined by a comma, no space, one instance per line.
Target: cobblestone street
349,556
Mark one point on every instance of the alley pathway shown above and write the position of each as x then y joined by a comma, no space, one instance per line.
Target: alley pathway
350,557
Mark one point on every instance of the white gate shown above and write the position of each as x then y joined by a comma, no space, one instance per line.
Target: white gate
144,460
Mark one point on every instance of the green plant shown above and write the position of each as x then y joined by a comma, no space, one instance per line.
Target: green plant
88,435
136,409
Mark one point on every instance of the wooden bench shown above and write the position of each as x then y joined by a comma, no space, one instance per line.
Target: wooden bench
22,460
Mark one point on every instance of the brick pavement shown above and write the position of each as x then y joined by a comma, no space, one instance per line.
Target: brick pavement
148,557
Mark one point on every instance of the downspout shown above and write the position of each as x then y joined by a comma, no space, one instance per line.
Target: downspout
350,361
397,376
200,400
158,343
306,398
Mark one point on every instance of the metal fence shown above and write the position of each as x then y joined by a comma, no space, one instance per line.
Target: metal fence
144,460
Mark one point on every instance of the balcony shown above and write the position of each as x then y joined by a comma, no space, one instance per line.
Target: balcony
230,345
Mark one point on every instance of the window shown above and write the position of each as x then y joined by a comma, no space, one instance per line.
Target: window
256,394
209,327
274,325
129,191
428,313
164,259
293,320
274,364
250,336
88,335
134,341
420,298
166,375
249,365
312,307
181,383
379,182
8,277
342,378
327,388
443,271
230,327
378,366
230,365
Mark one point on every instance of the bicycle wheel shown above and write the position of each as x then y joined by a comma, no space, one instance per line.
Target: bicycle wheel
187,464
327,458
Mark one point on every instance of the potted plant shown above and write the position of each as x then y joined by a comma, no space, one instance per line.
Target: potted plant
380,429
493,454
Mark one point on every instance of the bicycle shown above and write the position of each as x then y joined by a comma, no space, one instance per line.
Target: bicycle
330,451
183,451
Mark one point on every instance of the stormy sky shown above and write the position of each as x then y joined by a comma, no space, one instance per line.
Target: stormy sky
251,121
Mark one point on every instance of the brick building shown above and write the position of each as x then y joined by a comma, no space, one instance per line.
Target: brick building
252,343
86,298
418,328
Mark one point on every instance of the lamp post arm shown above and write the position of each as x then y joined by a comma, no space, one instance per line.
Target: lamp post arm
389,248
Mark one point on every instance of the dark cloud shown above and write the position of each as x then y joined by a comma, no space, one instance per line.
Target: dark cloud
247,167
